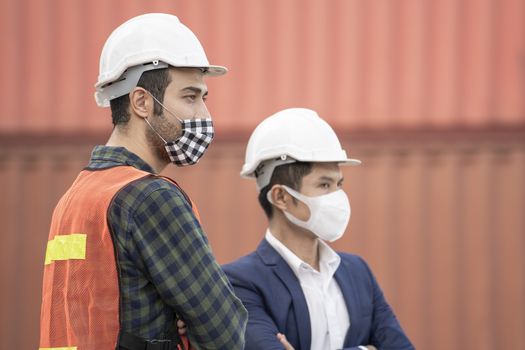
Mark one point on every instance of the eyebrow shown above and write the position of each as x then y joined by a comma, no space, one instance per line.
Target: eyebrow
330,178
195,90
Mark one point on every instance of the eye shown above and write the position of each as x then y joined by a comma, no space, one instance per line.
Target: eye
205,98
190,98
324,185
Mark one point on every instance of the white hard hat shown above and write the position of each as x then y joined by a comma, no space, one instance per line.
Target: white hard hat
146,42
295,134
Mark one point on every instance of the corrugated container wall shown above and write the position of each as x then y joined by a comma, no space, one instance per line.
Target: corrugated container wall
366,64
428,93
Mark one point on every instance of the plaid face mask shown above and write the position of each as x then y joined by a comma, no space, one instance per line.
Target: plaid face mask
197,135
189,148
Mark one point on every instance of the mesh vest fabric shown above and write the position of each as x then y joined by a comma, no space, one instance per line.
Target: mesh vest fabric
80,295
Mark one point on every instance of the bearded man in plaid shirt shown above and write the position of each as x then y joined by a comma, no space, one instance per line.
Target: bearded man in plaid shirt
127,257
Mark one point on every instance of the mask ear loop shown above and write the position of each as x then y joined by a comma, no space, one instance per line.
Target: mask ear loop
155,131
170,112
269,196
269,193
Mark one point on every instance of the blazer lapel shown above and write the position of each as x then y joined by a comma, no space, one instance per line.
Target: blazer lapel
271,258
345,281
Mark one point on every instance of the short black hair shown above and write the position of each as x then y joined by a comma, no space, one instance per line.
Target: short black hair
155,81
290,175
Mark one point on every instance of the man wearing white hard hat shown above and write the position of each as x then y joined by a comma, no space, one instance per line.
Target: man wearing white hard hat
300,294
127,259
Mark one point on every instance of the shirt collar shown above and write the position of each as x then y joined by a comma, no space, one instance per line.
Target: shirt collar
329,260
328,257
109,156
291,259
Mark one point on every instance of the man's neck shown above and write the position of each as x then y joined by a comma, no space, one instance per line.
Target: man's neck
300,242
137,146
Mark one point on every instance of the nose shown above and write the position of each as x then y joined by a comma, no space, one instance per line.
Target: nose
202,111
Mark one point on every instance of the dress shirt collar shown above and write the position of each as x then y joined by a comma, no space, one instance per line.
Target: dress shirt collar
329,260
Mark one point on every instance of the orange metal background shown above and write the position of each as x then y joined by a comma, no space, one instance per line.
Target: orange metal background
428,93
366,64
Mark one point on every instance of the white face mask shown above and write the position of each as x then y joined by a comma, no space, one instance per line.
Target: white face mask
329,214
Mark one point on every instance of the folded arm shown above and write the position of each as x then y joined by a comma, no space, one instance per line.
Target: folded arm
179,262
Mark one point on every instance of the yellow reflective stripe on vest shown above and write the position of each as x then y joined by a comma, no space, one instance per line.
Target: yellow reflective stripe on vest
66,247
69,348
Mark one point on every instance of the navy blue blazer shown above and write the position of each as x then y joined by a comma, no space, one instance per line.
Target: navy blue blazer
275,301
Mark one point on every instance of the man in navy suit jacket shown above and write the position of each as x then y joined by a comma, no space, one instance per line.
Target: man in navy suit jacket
299,293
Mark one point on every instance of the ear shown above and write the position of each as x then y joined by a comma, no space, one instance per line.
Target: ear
280,198
141,102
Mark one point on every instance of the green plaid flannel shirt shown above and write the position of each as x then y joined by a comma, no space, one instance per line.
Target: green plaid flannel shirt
166,266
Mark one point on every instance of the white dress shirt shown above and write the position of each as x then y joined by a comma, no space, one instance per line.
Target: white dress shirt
329,318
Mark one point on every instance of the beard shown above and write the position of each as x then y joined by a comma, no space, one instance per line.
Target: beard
168,130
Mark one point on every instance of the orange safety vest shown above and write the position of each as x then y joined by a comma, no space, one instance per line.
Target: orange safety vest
80,295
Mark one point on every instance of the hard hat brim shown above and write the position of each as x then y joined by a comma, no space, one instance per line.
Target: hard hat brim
248,170
215,71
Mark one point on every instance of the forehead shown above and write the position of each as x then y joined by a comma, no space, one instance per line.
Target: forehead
182,78
320,170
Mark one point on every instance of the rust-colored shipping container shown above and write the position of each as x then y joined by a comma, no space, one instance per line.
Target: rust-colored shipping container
366,64
429,94
440,222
